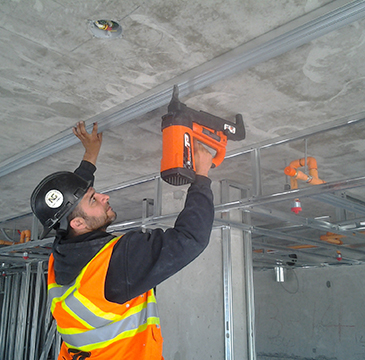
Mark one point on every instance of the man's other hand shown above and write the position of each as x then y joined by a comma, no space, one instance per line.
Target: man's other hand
91,142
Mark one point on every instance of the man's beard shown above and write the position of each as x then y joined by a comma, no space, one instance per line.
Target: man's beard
100,224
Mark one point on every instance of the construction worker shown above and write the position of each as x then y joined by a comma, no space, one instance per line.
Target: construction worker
100,286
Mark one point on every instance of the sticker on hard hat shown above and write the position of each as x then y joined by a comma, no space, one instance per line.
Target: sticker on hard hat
54,199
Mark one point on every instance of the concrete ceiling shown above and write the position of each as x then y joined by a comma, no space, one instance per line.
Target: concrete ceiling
293,69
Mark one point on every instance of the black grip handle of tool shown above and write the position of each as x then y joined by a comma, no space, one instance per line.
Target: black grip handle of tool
233,130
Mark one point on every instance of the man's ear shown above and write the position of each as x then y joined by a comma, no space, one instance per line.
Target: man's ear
78,224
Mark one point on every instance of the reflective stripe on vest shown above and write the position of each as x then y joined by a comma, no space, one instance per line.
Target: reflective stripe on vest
101,337
100,328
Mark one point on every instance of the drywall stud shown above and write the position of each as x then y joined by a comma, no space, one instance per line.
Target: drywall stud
226,185
57,344
256,172
227,290
341,213
22,313
250,302
157,209
152,207
27,344
227,278
5,316
48,322
9,353
147,204
49,340
35,321
35,228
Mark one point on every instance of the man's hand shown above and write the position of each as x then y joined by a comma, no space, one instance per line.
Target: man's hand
91,142
203,159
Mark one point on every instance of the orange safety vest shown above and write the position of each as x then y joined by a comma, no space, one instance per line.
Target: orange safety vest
93,327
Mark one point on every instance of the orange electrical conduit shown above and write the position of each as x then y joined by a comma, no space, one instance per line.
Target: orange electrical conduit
24,237
331,238
295,174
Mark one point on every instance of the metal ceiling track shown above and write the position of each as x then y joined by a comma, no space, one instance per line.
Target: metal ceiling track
274,43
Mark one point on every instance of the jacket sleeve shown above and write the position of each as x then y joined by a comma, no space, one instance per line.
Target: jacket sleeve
86,170
140,261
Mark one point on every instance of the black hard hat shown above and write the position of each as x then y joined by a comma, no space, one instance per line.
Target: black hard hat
55,197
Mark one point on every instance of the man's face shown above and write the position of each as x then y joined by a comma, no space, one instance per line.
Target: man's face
97,212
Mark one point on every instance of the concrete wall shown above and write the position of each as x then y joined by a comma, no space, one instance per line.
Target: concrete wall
191,308
317,313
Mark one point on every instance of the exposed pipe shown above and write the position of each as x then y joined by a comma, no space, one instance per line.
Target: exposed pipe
298,247
295,174
332,238
24,237
6,242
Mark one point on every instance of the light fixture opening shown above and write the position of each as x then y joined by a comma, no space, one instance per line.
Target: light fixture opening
105,29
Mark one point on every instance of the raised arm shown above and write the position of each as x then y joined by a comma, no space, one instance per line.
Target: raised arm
91,142
140,261
92,145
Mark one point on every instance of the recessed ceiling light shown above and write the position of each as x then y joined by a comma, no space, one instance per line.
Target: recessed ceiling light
105,29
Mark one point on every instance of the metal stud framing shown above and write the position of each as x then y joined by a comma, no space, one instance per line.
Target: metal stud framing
24,322
249,310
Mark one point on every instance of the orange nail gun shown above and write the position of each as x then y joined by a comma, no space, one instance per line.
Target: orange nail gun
180,126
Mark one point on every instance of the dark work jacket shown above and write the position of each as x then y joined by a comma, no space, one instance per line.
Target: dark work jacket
140,261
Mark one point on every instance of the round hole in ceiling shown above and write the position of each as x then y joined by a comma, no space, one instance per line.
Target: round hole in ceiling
105,29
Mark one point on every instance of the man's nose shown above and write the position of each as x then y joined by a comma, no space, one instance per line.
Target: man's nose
104,198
